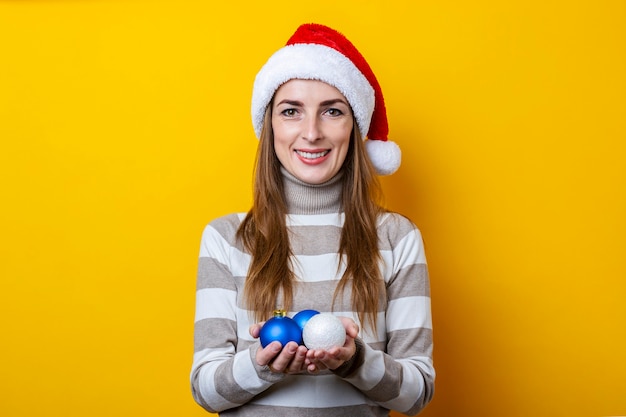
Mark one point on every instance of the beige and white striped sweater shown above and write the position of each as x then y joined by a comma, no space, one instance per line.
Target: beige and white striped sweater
392,370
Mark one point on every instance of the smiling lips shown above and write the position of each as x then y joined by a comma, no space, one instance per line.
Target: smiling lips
312,158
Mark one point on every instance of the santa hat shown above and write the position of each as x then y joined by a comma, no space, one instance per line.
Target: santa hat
317,52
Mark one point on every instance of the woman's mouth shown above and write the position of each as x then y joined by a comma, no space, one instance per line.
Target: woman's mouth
312,155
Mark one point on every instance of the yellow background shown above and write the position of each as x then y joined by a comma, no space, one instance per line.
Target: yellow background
124,128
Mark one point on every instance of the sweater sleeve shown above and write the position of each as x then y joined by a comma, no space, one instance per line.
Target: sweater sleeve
224,372
399,374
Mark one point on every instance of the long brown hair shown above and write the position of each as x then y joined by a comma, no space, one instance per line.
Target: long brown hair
264,233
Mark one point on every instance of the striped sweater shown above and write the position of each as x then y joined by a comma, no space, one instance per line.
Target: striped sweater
392,369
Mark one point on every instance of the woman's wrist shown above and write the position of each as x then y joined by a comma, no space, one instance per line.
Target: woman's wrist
350,366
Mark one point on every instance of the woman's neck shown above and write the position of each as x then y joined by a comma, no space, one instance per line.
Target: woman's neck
303,198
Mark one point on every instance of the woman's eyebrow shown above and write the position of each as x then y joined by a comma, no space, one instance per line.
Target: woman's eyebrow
290,102
323,103
333,101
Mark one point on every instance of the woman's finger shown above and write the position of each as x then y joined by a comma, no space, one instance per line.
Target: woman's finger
297,364
265,355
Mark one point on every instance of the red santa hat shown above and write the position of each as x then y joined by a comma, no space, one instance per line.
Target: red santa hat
317,52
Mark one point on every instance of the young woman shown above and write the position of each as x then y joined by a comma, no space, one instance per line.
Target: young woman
316,238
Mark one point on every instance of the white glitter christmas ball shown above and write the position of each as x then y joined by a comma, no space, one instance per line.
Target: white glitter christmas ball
323,331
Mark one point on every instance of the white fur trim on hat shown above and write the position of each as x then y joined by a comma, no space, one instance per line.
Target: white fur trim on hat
313,62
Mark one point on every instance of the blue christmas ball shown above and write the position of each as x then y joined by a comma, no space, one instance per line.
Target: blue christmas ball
282,329
303,316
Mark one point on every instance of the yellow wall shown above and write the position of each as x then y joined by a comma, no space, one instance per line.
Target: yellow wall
124,128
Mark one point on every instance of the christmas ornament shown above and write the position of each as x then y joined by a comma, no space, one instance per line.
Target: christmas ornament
303,317
324,331
280,328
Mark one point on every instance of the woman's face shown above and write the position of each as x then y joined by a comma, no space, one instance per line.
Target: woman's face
312,123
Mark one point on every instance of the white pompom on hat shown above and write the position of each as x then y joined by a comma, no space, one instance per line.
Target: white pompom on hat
317,52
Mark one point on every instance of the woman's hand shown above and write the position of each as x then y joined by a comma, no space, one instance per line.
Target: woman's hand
290,359
333,358
294,359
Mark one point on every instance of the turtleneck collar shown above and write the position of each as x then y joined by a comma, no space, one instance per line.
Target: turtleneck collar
303,198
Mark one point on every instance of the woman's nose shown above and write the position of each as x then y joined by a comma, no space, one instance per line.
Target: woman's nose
312,130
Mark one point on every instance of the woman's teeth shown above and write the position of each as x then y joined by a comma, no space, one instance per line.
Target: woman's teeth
312,155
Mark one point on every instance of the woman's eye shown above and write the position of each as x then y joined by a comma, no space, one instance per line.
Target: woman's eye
289,112
334,112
